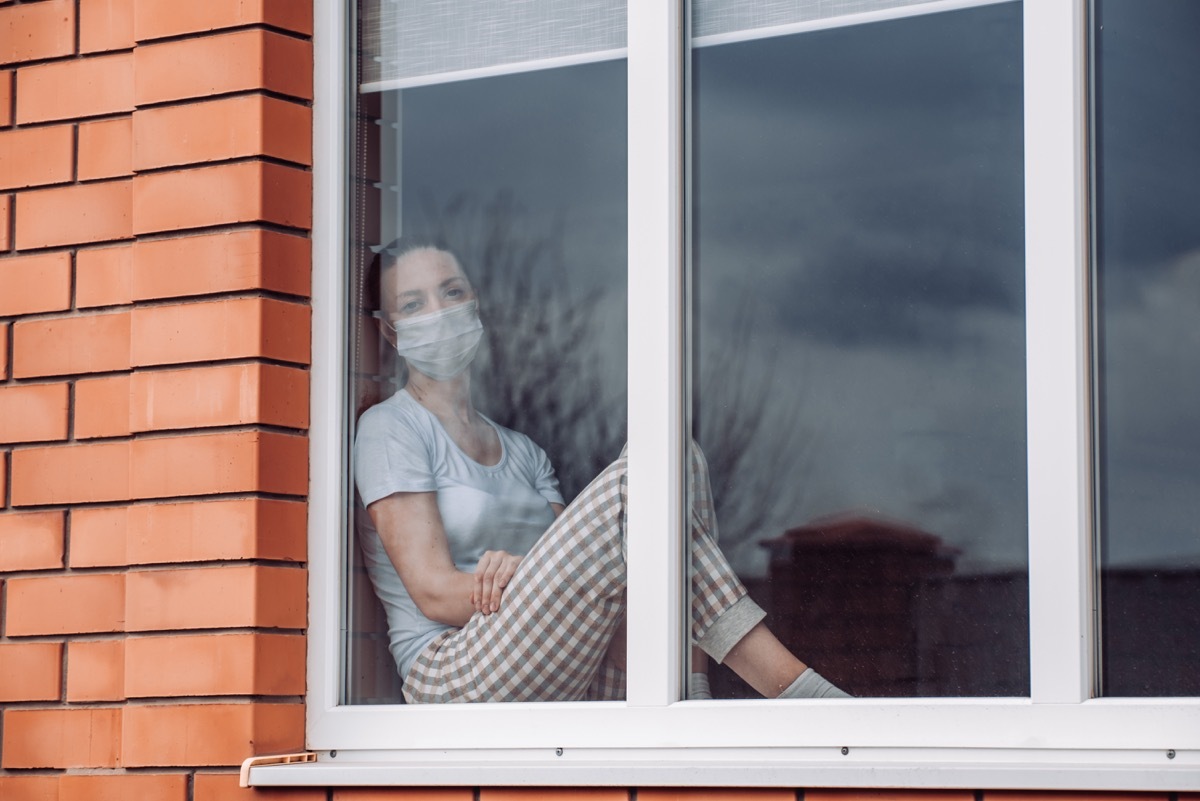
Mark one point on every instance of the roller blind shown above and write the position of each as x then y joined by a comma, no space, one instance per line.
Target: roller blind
715,21
415,42
409,43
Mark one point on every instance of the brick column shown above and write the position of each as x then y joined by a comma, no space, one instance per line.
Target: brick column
155,204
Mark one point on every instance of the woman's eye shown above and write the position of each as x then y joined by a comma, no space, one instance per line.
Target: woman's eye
454,292
410,307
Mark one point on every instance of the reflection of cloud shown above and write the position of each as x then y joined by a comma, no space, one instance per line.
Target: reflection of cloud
864,188
1151,417
869,179
554,140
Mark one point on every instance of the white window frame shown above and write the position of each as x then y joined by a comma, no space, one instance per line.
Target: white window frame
1060,738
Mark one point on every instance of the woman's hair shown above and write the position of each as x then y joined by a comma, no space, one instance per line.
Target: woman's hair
385,259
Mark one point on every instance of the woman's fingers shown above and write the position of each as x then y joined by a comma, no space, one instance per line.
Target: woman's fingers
492,574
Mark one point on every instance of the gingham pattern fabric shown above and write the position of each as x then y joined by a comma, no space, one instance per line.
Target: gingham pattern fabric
548,640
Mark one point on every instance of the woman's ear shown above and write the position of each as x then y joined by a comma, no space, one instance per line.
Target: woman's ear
386,330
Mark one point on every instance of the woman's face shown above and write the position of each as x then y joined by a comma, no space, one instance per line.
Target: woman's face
423,281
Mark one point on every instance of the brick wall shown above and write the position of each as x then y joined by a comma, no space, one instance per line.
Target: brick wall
155,202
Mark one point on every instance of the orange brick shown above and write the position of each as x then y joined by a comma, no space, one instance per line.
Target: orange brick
36,156
224,329
225,395
61,738
102,276
77,88
32,284
6,86
216,597
215,664
105,25
31,541
405,794
224,787
37,30
73,215
893,795
160,18
229,193
209,734
102,407
29,788
123,787
560,794
106,149
197,531
232,62
216,130
96,670
224,262
5,219
710,794
71,474
81,344
30,671
74,604
33,412
1034,795
204,464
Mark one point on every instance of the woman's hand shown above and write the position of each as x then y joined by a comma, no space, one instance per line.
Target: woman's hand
492,575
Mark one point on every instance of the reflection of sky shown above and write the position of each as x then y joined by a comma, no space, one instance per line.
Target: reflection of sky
861,189
554,140
859,203
1149,257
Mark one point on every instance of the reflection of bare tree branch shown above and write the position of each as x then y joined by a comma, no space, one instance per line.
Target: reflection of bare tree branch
755,452
542,371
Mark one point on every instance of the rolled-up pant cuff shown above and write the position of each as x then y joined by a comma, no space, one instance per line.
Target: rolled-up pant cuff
729,629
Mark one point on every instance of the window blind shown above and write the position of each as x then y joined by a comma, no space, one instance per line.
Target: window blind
417,42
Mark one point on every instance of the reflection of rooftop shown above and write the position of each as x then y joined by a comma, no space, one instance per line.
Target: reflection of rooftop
854,532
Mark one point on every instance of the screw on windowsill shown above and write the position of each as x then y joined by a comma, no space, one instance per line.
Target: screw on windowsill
1170,753
558,752
333,754
845,750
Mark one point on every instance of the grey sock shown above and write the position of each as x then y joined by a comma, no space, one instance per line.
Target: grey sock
698,689
811,684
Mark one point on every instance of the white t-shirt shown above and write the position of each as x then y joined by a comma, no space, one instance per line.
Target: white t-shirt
402,447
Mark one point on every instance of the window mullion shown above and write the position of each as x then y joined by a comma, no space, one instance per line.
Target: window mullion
1056,208
655,353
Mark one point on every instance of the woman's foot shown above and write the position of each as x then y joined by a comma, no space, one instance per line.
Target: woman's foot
811,684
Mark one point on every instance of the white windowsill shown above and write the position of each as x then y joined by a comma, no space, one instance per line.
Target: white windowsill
784,767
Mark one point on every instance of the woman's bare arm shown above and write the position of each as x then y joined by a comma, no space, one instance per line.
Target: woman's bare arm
410,526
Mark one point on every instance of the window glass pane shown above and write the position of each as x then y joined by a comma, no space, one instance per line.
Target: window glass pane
1148,381
512,189
858,344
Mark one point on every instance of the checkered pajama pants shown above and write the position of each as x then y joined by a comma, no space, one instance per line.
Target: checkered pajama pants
547,642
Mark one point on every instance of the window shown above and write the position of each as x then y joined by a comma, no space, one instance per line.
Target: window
1062,731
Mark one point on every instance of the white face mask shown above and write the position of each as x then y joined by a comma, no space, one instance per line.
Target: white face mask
441,345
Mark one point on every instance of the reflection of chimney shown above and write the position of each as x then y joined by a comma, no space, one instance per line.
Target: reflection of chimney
844,592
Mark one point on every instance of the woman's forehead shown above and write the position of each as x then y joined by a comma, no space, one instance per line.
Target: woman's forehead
420,269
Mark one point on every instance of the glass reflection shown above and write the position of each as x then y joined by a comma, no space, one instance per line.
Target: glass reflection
1148,303
859,373
522,177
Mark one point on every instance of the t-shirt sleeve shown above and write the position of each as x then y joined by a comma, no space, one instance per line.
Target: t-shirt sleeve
391,454
545,481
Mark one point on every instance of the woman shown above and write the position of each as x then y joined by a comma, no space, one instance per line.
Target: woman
493,590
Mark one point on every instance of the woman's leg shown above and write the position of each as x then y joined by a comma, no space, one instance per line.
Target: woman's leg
556,620
549,639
